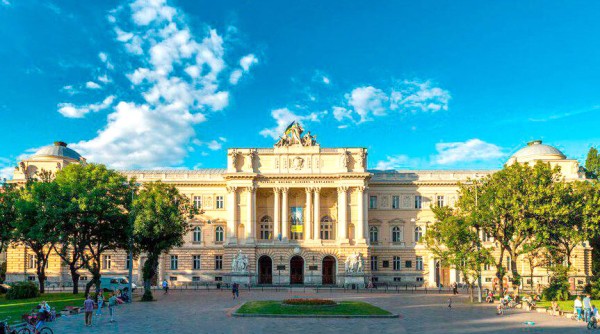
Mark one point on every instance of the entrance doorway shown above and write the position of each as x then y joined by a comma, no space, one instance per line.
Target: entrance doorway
328,270
265,270
442,275
297,270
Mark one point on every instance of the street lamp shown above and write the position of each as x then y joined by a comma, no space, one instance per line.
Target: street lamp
130,264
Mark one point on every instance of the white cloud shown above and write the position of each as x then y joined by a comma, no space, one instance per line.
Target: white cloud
6,169
470,150
72,111
235,76
103,78
214,145
400,161
326,80
283,117
367,102
177,79
245,63
6,2
92,85
104,58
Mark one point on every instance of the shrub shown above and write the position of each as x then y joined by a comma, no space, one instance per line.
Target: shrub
301,301
23,290
594,289
559,285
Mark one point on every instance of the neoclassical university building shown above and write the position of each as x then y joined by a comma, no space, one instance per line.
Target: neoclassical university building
298,213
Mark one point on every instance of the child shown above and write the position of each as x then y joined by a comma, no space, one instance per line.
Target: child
100,301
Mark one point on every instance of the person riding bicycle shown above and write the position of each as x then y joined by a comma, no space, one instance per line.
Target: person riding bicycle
592,321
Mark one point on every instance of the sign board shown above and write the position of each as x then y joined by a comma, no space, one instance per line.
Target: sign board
281,267
313,268
297,220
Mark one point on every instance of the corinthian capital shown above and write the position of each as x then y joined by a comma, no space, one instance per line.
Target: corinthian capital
342,189
231,189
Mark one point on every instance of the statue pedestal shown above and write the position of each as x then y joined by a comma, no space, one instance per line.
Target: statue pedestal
354,280
239,278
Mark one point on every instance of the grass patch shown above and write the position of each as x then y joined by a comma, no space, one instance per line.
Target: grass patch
16,308
342,308
565,305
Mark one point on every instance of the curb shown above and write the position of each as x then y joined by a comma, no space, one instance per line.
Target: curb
380,316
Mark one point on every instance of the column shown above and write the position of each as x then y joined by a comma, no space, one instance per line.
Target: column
341,219
231,212
249,229
307,215
366,213
276,213
284,214
359,228
317,215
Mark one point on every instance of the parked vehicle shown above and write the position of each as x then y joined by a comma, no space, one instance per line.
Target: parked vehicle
114,283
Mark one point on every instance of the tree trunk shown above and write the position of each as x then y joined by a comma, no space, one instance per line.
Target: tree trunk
74,277
41,272
150,267
471,286
516,278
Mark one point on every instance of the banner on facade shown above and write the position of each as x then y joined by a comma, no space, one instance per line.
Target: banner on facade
297,219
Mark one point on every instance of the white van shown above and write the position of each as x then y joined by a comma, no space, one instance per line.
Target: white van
114,283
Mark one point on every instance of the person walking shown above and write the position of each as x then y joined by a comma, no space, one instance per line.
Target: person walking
578,306
88,308
100,302
455,288
112,305
235,290
449,303
587,307
165,286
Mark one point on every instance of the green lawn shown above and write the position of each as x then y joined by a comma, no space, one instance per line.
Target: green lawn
15,308
566,306
343,308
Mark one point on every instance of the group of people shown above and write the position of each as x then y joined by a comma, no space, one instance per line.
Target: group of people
44,313
584,310
89,304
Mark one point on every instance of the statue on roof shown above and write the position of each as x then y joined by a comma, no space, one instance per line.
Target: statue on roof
293,136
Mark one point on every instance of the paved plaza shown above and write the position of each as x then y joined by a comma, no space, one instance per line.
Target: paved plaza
210,312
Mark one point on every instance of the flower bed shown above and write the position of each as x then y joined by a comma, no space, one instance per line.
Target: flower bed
307,301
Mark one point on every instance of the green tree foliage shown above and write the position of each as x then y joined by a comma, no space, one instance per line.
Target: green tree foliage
95,217
160,222
454,240
8,195
36,222
559,285
592,163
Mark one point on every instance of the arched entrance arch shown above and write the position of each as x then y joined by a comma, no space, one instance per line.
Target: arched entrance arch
297,270
328,270
265,270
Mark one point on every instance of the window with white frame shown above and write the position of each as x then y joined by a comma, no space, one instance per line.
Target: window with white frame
418,202
372,202
174,262
196,262
395,202
373,263
397,234
266,228
197,234
419,263
396,263
219,234
373,234
326,228
218,262
220,202
198,202
32,261
418,234
440,201
487,266
106,262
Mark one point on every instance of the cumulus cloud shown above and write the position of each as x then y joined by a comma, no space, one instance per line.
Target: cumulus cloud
6,169
470,150
283,117
246,63
326,80
365,103
92,85
5,2
400,161
72,111
177,79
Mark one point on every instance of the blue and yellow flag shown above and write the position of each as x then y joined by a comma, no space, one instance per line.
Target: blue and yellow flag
289,128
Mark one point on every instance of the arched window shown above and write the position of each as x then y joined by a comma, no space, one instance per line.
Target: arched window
326,228
397,234
197,234
219,234
418,234
373,234
266,228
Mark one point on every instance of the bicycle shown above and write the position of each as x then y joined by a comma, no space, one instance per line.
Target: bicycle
5,327
30,329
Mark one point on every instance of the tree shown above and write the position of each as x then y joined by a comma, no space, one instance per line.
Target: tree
454,239
592,163
8,195
95,217
36,222
503,203
160,216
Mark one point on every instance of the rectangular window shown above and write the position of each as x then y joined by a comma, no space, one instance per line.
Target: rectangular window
419,263
196,260
83,278
32,262
174,262
408,264
373,263
440,201
31,278
198,202
488,279
218,262
395,202
419,279
397,263
418,202
372,202
218,279
128,262
220,202
172,278
106,262
486,266
385,263
195,278
397,279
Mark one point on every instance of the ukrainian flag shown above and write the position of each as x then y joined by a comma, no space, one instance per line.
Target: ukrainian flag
289,128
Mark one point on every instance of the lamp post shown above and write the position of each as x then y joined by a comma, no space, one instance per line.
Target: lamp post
130,256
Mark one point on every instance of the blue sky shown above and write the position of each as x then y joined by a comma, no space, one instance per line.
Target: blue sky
422,85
